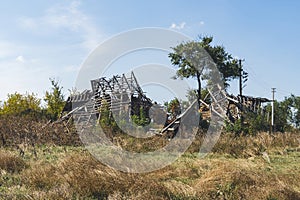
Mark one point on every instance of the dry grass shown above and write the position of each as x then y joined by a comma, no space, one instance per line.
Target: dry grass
16,130
251,146
243,179
237,170
79,175
10,162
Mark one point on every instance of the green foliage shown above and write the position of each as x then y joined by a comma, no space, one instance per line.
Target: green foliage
286,118
17,104
191,57
283,115
257,123
142,119
236,127
187,57
105,117
192,96
295,111
252,123
173,107
106,120
54,100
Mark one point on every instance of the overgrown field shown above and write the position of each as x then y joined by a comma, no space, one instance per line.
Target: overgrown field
250,167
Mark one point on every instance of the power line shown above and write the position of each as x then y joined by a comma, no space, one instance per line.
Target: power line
256,77
265,85
284,91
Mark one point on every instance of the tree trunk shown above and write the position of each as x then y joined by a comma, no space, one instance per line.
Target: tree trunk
199,97
199,90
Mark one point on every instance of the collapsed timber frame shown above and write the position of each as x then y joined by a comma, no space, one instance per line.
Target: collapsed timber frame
119,94
122,95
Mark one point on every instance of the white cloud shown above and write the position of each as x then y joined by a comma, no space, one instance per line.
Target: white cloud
28,67
20,59
19,76
178,26
64,17
201,23
29,75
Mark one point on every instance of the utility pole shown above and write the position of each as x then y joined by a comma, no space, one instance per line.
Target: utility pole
273,100
241,91
241,78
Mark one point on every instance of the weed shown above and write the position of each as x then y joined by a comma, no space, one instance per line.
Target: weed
11,163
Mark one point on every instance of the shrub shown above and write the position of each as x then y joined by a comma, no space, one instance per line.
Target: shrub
11,163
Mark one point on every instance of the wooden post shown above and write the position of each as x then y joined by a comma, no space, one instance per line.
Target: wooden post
241,91
241,78
273,100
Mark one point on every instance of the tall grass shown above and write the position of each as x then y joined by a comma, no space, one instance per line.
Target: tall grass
234,170
251,145
11,163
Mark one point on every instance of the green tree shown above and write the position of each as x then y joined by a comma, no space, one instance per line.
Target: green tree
258,122
54,100
283,115
141,119
21,104
252,123
105,117
188,57
295,111
192,96
174,108
286,118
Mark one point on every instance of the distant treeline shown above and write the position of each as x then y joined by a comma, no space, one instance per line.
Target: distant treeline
286,118
29,104
23,118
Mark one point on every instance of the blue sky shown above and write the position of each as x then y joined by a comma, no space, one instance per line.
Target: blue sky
43,39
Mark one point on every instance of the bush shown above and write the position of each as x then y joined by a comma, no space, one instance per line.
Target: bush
23,129
11,163
21,104
54,100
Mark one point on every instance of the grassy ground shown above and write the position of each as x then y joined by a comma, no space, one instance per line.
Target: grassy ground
256,167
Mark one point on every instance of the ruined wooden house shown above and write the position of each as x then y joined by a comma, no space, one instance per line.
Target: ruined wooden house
118,95
243,104
123,96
